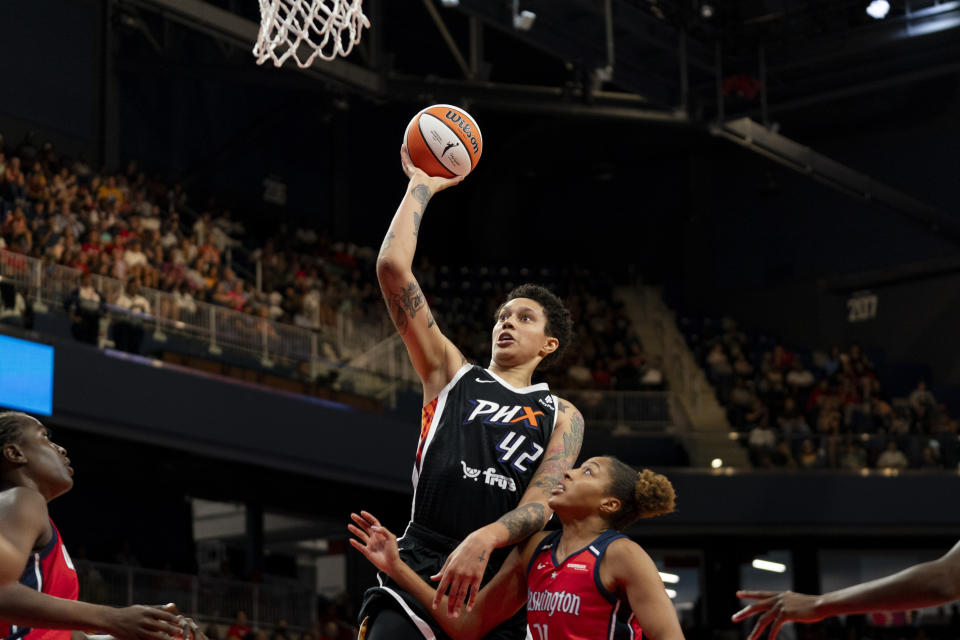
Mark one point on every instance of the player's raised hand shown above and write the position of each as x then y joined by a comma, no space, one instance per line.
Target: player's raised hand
777,608
374,541
462,572
415,173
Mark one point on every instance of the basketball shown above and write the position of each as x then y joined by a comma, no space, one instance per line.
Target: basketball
444,141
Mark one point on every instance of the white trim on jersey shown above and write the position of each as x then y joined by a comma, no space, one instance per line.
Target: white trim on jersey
36,568
540,386
422,626
613,620
556,412
630,625
441,405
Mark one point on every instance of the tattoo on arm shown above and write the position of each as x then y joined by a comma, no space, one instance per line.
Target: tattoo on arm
559,460
523,521
483,554
405,304
430,320
387,241
422,195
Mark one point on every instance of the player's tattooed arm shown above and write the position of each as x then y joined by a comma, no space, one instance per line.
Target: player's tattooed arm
422,195
563,449
405,303
524,520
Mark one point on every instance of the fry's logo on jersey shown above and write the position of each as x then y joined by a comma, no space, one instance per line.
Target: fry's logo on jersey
503,415
490,477
553,601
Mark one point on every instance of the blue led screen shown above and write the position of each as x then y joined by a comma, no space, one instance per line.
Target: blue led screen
26,376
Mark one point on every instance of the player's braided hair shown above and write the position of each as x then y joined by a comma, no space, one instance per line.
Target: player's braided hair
559,324
11,426
642,494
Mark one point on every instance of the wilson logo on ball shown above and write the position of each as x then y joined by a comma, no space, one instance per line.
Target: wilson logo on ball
444,141
456,119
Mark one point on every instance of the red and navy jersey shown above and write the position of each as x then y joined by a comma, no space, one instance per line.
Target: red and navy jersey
481,441
568,600
49,571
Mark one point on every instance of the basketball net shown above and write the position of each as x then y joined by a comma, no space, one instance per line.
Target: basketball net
324,29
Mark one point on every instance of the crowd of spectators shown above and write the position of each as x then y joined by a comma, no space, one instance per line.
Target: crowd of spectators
822,409
143,232
138,229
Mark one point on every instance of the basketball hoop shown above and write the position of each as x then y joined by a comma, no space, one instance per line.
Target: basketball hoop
324,29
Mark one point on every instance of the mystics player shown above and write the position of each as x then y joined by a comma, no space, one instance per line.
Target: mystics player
583,582
492,444
43,605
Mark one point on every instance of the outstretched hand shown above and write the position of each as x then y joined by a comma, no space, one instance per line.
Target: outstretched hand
374,541
189,630
413,172
778,608
462,573
141,622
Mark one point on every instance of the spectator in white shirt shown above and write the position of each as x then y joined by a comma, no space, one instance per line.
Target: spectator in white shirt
892,458
128,329
134,255
800,378
85,305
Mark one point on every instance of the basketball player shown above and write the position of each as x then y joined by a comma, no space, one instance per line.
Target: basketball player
43,606
582,582
492,445
923,585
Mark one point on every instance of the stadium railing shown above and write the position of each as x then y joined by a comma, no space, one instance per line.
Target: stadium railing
209,599
48,285
372,361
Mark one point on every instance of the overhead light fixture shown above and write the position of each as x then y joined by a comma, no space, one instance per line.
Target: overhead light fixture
671,594
706,11
450,3
766,565
669,578
522,20
716,463
878,9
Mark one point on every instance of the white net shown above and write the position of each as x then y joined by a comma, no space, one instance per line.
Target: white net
308,29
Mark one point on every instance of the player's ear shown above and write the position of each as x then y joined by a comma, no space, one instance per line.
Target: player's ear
549,345
12,453
610,505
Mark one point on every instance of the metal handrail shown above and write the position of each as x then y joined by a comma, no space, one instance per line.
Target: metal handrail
208,598
632,411
49,284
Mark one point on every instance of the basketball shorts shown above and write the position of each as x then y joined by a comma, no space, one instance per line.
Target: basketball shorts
425,551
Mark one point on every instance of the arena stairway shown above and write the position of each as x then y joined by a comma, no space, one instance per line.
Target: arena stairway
694,405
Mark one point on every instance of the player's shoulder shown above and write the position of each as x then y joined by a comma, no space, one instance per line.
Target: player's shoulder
623,555
567,412
23,505
22,498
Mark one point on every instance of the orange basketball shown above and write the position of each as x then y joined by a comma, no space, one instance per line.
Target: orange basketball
444,141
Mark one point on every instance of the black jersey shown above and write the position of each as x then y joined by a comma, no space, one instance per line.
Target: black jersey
480,444
481,441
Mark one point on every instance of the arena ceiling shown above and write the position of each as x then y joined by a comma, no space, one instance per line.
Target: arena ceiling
671,59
